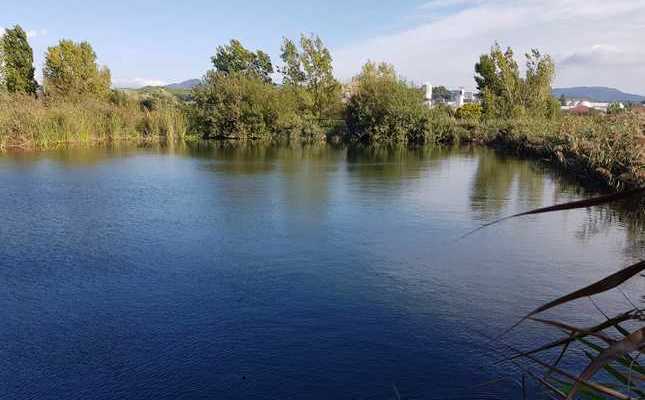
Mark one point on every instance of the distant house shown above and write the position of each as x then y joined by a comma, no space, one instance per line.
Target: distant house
578,106
457,98
580,109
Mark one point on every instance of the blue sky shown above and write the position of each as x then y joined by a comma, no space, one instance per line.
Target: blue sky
143,41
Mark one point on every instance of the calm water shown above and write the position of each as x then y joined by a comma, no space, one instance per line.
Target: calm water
253,272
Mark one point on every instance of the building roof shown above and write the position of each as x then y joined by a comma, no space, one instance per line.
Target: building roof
580,109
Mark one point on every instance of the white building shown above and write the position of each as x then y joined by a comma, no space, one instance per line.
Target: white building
598,106
457,99
428,94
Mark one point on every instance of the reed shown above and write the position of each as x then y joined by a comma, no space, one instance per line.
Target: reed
606,151
29,123
612,347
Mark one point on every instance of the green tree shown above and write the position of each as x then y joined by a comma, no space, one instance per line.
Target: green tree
291,71
71,71
440,93
563,100
310,67
498,79
384,108
18,62
505,94
235,58
536,86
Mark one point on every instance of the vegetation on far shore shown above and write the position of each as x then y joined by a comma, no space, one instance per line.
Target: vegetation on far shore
238,99
75,103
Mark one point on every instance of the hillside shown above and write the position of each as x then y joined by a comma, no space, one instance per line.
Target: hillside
598,93
189,84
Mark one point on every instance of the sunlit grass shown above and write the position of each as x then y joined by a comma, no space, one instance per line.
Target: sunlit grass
29,123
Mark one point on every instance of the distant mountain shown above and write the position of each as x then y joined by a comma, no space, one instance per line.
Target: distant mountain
598,93
189,84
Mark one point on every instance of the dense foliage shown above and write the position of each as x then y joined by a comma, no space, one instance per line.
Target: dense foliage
238,100
469,112
308,71
16,62
506,95
385,108
236,59
77,105
71,71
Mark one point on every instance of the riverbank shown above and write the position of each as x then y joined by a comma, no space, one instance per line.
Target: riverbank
606,152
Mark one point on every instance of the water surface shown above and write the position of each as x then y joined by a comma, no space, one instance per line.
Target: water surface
261,272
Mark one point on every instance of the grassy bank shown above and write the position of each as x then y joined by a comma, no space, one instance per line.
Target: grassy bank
27,123
605,151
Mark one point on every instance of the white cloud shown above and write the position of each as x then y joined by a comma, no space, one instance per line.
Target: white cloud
602,55
135,83
594,42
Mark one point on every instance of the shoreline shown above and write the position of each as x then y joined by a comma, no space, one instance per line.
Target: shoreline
570,164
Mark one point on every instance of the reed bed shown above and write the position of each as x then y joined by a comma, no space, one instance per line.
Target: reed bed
27,123
606,151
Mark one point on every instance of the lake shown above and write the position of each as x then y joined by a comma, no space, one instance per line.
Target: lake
222,271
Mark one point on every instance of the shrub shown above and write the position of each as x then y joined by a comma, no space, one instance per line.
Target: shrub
469,112
384,108
238,106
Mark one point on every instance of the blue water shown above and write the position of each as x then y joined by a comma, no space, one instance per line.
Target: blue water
266,272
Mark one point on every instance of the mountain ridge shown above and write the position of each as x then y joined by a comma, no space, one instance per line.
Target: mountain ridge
187,84
597,93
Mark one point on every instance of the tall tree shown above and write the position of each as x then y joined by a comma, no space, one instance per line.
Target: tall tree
18,62
291,71
71,71
310,67
235,58
538,95
440,93
505,94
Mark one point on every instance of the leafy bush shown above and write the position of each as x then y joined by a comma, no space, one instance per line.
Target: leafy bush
384,108
239,106
234,106
469,112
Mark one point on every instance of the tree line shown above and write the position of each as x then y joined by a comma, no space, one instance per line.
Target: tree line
238,97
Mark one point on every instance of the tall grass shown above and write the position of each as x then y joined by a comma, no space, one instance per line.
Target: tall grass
603,150
29,123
